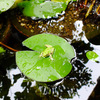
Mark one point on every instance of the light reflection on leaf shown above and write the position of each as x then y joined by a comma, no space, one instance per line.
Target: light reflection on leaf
43,68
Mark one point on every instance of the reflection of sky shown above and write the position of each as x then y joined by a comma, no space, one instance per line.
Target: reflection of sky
85,91
76,33
17,86
79,33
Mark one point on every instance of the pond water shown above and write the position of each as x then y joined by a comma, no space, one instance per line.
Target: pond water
78,85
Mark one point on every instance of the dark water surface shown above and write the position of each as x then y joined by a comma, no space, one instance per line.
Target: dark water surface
78,85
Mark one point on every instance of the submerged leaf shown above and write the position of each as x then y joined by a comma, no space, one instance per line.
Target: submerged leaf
42,10
91,55
43,68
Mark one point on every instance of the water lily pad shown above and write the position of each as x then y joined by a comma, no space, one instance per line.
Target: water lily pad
43,68
6,4
91,55
42,10
38,42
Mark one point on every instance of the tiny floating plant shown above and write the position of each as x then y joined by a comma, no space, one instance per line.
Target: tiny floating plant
48,60
91,55
2,50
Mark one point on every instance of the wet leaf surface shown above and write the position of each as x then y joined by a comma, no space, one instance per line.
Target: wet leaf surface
38,42
43,68
42,10
5,4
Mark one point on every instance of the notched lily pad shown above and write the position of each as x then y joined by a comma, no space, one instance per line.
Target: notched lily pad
44,69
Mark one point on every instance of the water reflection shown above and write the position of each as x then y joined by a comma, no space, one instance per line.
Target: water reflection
15,86
5,82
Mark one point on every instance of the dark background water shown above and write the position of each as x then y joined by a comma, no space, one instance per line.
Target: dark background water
78,85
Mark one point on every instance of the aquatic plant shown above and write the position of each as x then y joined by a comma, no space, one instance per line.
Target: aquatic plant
43,9
2,50
43,68
91,55
5,4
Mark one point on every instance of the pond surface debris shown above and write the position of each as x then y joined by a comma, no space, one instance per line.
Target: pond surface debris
63,25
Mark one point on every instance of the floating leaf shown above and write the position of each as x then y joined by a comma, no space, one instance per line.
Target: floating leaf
91,55
43,68
42,10
38,43
2,50
6,4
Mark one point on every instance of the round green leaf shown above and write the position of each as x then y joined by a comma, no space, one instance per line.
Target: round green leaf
43,68
91,55
6,4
